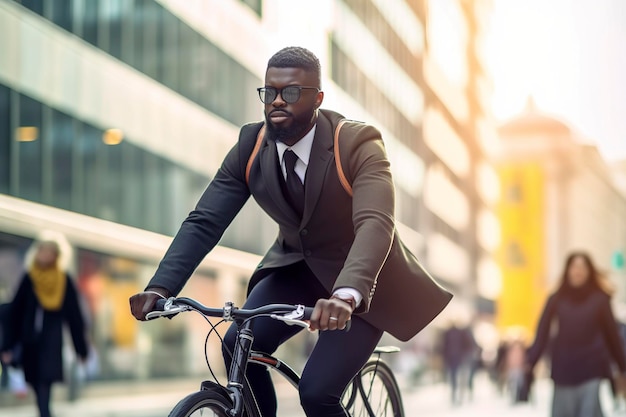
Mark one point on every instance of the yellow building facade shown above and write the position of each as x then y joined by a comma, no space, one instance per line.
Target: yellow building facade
521,256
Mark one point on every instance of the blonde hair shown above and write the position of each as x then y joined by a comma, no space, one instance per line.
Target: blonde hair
57,239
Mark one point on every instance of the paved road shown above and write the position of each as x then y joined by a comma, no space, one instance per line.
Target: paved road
157,399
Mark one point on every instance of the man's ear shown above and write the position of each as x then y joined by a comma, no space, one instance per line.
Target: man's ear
319,99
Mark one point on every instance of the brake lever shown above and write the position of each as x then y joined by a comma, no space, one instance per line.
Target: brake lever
172,311
293,318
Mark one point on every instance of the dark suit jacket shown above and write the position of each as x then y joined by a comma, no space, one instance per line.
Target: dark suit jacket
345,241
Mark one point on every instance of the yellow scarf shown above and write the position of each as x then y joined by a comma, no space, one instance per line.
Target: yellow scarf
49,286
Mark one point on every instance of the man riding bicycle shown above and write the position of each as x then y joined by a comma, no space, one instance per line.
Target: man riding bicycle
337,246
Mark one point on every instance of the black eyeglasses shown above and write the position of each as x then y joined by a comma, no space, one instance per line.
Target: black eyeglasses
290,93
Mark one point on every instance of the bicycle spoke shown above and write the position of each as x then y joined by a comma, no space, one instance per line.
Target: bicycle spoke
374,394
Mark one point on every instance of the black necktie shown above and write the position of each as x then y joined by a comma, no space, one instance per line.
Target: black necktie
295,188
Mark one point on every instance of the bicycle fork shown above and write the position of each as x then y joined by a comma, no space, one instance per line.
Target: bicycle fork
237,372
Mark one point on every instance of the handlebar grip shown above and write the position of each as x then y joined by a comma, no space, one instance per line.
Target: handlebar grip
348,325
309,310
160,304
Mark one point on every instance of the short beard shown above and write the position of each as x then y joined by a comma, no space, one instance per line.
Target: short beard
300,125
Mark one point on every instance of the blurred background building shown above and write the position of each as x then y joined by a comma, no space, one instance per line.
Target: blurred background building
115,115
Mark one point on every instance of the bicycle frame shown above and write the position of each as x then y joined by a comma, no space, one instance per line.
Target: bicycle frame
293,377
275,364
287,372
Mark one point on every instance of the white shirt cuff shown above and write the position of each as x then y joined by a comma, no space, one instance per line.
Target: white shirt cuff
350,291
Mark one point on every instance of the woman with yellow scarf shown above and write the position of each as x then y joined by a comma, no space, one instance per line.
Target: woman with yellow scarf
45,300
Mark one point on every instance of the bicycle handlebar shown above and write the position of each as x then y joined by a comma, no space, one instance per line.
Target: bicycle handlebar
289,313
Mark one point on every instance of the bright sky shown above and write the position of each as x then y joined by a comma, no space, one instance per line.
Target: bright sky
570,55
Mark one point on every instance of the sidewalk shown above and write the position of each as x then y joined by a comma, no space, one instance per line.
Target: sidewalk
113,399
157,398
131,399
434,401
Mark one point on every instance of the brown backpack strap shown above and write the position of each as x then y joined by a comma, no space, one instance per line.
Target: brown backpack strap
255,150
342,176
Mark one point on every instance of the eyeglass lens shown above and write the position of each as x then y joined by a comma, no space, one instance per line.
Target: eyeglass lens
290,94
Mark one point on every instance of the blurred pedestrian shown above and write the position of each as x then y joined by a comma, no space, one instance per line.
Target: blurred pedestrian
475,365
4,370
498,371
619,395
514,370
585,332
12,378
45,300
458,352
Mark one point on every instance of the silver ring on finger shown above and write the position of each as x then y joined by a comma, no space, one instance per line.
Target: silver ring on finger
333,318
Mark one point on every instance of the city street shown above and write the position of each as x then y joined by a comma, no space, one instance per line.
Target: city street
424,400
453,173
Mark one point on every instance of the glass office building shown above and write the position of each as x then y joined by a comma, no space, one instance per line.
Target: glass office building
115,115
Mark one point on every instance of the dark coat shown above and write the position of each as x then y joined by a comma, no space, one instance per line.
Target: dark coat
41,349
586,339
346,241
458,346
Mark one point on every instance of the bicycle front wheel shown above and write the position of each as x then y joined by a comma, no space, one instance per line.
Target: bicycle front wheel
205,403
374,392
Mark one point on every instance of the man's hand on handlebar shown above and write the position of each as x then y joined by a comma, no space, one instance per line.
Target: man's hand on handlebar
332,314
143,302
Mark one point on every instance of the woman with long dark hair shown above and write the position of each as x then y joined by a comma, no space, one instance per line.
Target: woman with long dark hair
578,325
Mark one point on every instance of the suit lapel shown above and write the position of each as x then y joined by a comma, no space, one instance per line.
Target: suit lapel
319,161
268,158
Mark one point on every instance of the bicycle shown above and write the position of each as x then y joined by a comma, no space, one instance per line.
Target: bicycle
373,392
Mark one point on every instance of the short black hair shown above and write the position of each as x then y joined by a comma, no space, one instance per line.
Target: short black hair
297,57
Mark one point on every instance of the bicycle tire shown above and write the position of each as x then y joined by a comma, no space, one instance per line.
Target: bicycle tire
374,392
205,403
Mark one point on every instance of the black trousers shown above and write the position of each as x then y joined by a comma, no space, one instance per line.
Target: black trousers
333,362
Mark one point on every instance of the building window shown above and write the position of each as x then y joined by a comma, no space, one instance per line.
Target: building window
60,146
255,5
514,193
60,12
34,5
148,37
350,78
170,55
5,139
28,136
154,195
89,30
87,176
50,157
111,181
118,29
152,40
134,193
